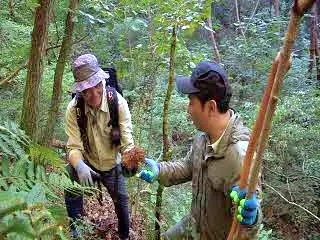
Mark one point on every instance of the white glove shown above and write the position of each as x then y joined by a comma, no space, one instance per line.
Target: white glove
85,174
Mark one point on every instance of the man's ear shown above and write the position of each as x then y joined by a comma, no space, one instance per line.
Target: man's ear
212,105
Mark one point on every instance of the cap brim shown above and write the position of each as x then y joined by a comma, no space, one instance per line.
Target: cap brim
184,85
90,82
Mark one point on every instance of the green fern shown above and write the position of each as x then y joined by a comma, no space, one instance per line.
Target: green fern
32,178
13,141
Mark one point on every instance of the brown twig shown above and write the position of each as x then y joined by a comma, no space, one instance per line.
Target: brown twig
292,203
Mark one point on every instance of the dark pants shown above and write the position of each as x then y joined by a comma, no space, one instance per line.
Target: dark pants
115,183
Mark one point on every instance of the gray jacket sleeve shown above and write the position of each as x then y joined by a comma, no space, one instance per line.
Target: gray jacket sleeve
172,173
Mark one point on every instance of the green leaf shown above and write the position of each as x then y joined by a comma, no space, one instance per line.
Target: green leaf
5,166
36,195
33,4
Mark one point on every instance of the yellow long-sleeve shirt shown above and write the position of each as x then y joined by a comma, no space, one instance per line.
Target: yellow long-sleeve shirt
103,155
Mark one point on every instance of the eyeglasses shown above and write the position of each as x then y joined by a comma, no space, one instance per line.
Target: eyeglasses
88,92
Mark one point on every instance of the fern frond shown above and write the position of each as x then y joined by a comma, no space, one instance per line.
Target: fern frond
13,141
44,156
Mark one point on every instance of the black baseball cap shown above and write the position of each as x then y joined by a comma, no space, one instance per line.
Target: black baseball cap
204,79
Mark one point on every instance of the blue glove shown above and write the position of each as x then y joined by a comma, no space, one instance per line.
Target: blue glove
247,208
86,174
151,174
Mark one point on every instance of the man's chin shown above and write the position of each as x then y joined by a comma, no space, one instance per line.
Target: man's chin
95,105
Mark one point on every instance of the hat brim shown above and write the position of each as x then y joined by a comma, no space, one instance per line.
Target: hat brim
185,86
90,82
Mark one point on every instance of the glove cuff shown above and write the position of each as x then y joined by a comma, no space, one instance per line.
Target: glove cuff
80,165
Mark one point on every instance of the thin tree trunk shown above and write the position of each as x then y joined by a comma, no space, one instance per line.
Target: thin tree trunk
165,129
276,6
313,38
216,54
63,57
148,95
318,61
238,19
31,93
10,8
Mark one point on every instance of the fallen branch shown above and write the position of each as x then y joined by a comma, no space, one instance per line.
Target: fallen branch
292,203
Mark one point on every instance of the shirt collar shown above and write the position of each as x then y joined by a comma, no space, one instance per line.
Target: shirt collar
213,148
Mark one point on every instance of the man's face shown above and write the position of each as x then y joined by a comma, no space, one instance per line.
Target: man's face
198,113
93,96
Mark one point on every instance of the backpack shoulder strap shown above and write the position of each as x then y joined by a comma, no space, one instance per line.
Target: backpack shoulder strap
82,121
112,99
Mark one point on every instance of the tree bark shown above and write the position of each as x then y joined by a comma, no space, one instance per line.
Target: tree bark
314,50
63,56
31,93
10,8
165,129
237,6
216,54
313,38
276,6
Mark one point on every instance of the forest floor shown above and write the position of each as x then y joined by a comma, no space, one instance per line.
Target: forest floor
104,222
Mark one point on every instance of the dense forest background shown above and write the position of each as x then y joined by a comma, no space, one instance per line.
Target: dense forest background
144,40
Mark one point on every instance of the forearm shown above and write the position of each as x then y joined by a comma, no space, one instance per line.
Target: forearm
74,156
172,173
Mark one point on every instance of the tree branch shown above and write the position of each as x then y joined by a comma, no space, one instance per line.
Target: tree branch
59,45
15,73
252,15
292,203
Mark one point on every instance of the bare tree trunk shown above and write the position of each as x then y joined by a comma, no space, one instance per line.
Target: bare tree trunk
10,8
30,107
276,6
165,129
313,38
216,54
148,96
237,6
63,56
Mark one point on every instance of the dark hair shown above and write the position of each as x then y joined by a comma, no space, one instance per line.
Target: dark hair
210,92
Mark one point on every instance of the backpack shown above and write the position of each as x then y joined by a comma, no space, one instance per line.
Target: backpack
112,87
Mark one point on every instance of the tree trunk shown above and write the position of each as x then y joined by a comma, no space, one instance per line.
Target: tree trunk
237,4
165,129
216,54
31,93
63,57
276,6
313,38
10,8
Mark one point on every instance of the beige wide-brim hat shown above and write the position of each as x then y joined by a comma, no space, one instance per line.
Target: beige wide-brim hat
87,73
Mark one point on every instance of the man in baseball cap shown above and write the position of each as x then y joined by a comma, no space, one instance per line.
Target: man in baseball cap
91,153
213,163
